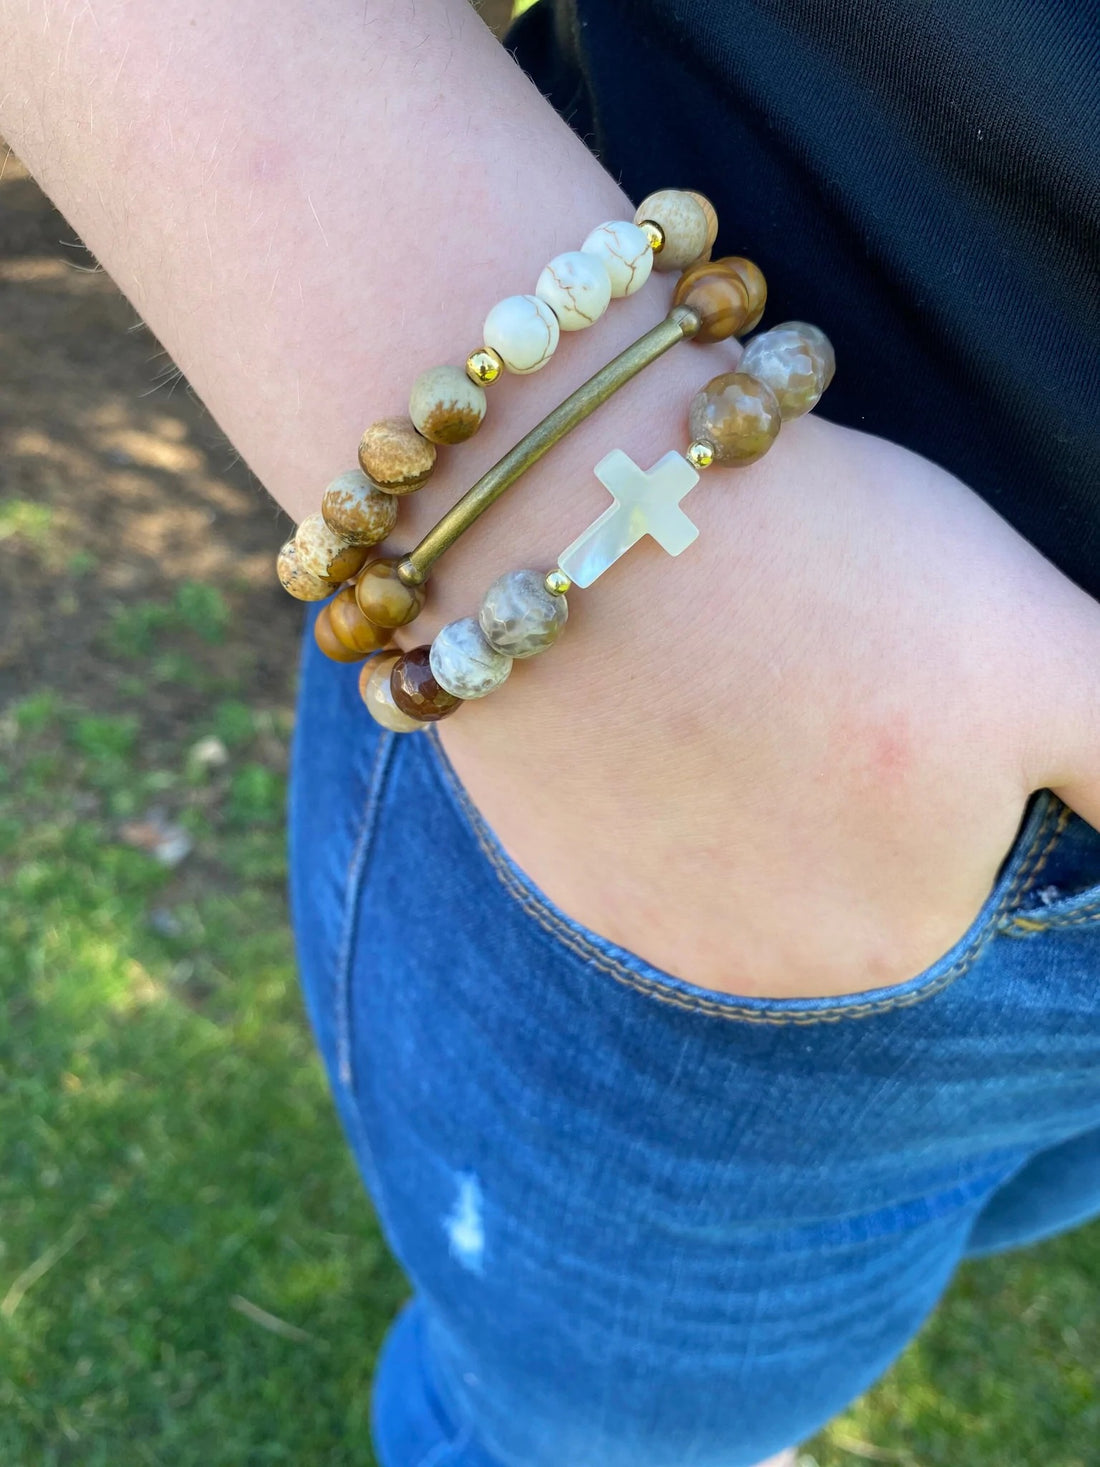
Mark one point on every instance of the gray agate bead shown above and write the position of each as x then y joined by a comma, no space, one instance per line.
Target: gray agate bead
796,361
519,616
464,663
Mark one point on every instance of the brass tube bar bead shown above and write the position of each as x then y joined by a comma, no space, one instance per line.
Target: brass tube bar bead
680,324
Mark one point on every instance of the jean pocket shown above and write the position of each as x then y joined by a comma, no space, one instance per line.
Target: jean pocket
1065,888
1040,828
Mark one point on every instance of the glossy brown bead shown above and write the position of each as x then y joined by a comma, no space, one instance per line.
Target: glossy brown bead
738,415
328,641
415,690
351,628
383,596
717,296
756,287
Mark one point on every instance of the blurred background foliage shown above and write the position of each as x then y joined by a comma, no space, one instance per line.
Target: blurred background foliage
190,1274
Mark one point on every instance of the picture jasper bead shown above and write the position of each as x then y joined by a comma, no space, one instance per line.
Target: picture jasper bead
711,215
383,597
464,663
738,415
329,642
795,360
519,616
415,690
684,224
300,583
374,689
717,296
395,456
351,628
445,406
324,552
625,252
357,510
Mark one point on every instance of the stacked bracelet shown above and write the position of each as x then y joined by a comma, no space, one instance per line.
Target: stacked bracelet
733,420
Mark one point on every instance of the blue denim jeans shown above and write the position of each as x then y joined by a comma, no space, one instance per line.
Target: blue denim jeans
648,1225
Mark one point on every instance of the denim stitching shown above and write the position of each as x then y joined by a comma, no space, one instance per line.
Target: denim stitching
580,947
356,867
1034,920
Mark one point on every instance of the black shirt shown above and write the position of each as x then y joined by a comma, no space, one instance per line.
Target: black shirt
920,178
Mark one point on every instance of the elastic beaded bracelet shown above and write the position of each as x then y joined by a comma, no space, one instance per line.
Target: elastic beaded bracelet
448,404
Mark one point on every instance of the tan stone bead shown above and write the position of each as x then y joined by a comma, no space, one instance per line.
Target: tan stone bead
717,296
302,584
375,691
752,278
445,406
325,553
683,222
712,221
395,456
737,415
358,511
329,642
351,628
384,598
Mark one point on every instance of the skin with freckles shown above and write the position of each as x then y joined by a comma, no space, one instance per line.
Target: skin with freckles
787,762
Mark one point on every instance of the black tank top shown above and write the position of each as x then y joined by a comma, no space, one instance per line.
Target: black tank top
921,178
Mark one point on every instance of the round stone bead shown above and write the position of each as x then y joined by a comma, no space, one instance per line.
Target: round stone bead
384,598
523,331
519,616
738,415
717,296
795,365
415,691
756,287
303,585
684,223
358,511
463,662
395,456
374,689
576,287
446,406
625,252
329,643
325,553
351,628
712,221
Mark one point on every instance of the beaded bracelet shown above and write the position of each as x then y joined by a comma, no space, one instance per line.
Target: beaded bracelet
733,420
448,404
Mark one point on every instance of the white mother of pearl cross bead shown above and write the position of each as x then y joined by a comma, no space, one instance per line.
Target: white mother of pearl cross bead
647,502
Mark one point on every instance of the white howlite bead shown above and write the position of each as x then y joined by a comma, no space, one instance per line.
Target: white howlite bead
625,252
463,662
523,331
576,287
519,616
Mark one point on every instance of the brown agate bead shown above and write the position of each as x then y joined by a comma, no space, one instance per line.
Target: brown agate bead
351,628
383,596
395,456
374,689
738,415
328,641
718,297
756,287
415,690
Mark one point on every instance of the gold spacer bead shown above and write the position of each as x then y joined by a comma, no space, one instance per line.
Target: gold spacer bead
484,365
655,234
700,454
557,583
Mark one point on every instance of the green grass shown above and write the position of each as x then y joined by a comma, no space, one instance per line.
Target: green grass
172,1164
